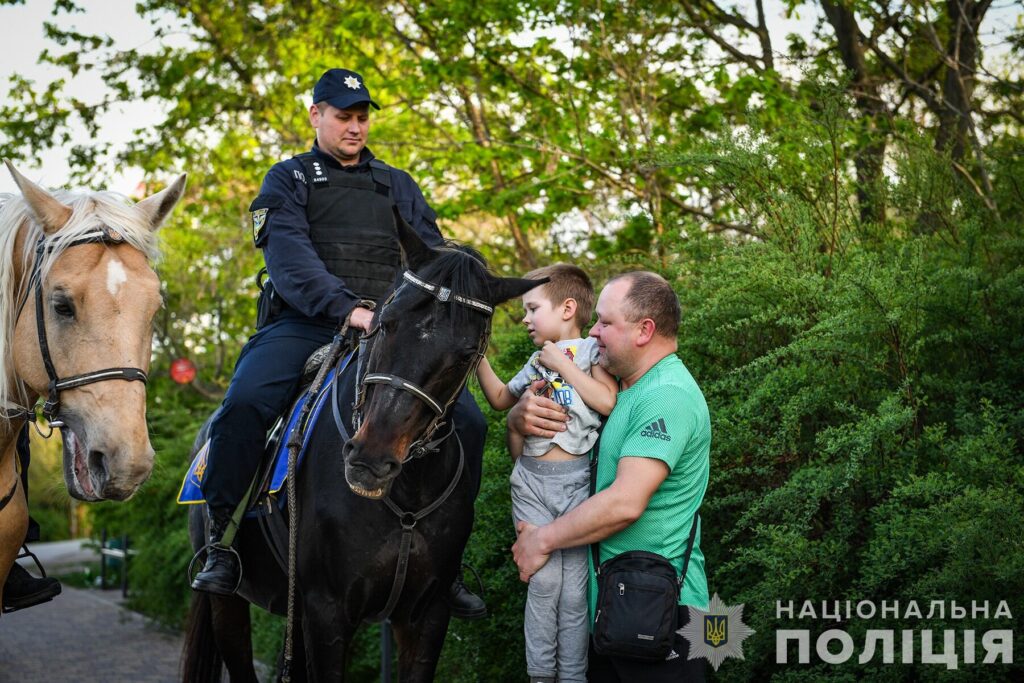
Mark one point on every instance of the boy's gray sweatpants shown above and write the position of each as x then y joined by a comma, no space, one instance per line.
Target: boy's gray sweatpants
556,622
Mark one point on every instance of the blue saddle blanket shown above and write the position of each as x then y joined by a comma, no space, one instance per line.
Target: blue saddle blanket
191,487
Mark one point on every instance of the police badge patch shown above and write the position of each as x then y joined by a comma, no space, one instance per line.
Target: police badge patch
259,221
716,633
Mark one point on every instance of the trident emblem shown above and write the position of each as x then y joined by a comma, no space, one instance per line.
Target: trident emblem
716,630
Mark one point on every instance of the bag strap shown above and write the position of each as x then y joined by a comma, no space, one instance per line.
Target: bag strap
594,549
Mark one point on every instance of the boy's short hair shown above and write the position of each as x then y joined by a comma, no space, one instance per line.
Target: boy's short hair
567,281
651,296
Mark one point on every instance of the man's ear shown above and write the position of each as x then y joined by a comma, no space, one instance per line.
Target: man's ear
569,307
647,332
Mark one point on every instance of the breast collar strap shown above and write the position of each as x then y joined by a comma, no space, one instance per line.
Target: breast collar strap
426,443
51,408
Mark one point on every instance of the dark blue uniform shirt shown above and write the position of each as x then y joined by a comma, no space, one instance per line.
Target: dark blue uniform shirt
298,274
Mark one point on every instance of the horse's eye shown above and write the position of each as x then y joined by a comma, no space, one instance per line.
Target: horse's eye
63,307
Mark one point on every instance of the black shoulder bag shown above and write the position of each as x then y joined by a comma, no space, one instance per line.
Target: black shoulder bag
637,598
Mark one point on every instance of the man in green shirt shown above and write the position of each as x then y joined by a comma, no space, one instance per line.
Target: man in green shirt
653,465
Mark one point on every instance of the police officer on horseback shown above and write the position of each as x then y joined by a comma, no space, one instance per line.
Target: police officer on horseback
325,222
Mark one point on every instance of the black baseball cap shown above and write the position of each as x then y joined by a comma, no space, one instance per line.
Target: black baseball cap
342,88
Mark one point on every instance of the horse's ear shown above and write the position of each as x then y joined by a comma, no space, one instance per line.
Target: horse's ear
157,207
51,214
415,250
505,288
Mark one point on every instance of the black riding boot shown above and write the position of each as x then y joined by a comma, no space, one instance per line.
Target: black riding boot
23,590
222,570
464,603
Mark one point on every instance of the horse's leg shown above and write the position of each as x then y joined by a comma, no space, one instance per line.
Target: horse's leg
232,630
327,636
420,643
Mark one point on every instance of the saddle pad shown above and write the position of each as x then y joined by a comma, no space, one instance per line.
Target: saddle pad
191,492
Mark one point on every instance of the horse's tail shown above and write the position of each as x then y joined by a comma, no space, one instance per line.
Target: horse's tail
201,661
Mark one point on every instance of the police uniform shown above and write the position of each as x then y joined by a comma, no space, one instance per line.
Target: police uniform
310,234
328,238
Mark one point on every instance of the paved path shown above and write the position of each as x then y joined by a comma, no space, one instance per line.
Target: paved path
85,635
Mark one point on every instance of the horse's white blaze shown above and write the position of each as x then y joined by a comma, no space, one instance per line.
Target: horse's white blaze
115,276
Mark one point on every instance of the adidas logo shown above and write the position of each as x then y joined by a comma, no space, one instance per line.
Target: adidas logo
657,430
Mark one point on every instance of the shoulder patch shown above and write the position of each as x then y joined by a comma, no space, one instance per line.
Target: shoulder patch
258,212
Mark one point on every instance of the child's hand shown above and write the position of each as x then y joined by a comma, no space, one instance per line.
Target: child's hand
553,358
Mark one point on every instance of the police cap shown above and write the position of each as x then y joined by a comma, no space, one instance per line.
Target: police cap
342,88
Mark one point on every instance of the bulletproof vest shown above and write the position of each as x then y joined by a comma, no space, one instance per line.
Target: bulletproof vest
352,224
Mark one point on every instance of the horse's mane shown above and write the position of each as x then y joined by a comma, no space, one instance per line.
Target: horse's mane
462,269
89,211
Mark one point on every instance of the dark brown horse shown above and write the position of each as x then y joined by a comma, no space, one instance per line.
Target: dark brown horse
396,487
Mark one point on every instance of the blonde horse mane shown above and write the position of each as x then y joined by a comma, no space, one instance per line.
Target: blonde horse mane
90,211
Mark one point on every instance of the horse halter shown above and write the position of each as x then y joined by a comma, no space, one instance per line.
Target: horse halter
51,408
424,444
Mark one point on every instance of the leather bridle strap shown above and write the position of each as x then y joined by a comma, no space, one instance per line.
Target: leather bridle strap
404,385
445,294
408,521
51,407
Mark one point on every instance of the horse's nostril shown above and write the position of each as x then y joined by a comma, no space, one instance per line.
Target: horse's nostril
347,449
98,466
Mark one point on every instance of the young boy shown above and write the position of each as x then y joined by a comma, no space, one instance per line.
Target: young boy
553,477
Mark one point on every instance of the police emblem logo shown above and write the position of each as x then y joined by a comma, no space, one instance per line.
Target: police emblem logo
353,82
716,630
716,633
259,220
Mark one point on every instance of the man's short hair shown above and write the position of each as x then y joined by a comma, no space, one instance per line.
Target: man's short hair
651,296
567,282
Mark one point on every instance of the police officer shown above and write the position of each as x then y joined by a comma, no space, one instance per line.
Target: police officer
325,223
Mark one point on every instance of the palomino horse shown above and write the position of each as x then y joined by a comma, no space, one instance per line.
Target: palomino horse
77,300
390,502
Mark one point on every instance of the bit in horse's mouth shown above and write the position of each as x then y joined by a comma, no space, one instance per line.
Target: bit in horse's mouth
79,467
367,493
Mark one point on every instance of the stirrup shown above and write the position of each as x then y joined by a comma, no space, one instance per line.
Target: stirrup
190,573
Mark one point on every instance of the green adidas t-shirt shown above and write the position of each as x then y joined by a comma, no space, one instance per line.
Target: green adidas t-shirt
663,416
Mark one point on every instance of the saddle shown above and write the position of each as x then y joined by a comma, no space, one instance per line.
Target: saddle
273,470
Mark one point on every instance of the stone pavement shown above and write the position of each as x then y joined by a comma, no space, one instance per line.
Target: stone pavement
85,636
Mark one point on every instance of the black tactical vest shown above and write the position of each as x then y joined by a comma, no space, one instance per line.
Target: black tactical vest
352,224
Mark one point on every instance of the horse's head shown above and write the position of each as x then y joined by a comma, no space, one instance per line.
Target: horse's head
427,338
81,326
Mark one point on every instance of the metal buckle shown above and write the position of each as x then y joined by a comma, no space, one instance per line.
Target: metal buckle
443,293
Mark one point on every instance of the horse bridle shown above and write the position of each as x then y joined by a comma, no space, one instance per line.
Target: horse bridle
425,443
51,407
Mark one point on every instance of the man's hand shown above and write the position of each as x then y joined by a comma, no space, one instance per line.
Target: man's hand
536,415
526,551
360,318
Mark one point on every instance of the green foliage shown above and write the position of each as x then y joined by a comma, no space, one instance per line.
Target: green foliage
853,300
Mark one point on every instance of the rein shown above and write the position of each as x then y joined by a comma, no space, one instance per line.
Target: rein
51,407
